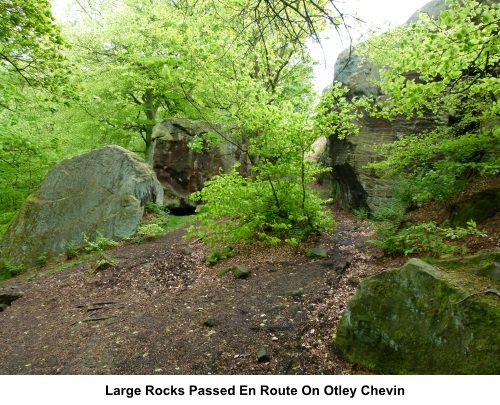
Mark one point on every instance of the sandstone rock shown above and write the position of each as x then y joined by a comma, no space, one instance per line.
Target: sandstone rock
296,294
182,171
263,355
356,187
344,264
433,9
8,298
240,271
484,264
103,191
421,320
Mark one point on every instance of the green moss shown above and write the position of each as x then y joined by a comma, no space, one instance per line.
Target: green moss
420,320
317,253
5,218
484,264
54,268
479,208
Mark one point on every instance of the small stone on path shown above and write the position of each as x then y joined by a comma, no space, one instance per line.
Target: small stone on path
317,253
263,355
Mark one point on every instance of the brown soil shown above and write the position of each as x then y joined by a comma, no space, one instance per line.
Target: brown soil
146,314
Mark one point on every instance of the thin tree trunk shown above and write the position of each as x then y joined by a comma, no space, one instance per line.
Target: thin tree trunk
150,110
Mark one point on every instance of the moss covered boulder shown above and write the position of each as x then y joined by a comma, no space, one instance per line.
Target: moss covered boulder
422,320
103,191
484,264
477,208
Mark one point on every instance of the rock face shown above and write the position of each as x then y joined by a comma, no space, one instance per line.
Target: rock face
6,299
421,320
355,186
484,264
433,9
102,191
182,171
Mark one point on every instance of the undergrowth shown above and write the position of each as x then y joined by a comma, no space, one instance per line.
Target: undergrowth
9,270
159,223
5,218
396,236
424,237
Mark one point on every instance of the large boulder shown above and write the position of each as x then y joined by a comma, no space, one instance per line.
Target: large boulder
357,187
422,320
103,191
182,170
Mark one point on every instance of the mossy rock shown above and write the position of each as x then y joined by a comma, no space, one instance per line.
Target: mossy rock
101,264
100,192
317,253
484,264
421,320
240,271
478,208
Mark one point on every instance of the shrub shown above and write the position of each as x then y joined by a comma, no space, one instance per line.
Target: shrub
8,269
425,237
150,231
71,250
153,208
158,225
220,254
99,244
41,260
362,213
243,210
276,203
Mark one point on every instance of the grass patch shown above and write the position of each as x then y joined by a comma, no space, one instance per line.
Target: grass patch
56,268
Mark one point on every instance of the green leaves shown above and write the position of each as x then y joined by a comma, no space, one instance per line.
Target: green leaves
277,200
447,69
30,49
136,62
147,60
425,237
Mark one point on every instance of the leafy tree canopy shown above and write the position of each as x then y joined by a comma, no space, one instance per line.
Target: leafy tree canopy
144,60
240,63
32,78
30,49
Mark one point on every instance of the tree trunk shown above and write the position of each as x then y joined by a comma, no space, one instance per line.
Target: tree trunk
150,109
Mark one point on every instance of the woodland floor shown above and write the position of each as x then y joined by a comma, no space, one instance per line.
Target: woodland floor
146,314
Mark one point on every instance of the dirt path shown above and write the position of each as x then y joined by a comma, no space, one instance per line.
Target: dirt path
148,313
